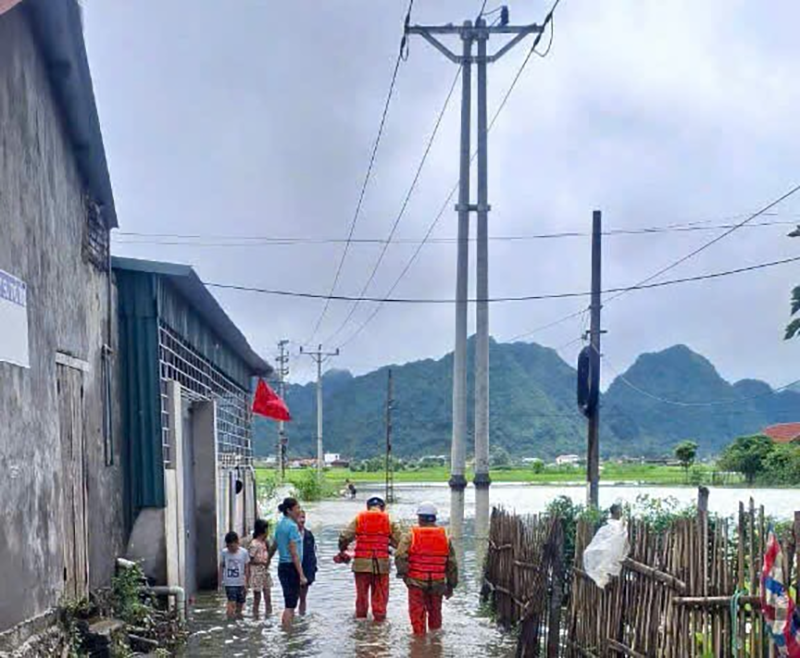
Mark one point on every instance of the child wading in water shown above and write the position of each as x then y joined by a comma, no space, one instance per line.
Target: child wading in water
234,574
260,557
309,558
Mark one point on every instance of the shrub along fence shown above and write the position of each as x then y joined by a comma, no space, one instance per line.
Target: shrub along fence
689,587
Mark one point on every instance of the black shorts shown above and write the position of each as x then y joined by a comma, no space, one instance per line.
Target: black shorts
236,594
290,584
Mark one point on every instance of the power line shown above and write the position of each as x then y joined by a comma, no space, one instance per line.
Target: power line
496,300
368,175
403,206
439,215
178,239
642,284
548,19
708,244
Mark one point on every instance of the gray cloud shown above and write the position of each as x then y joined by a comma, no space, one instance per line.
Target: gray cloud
257,118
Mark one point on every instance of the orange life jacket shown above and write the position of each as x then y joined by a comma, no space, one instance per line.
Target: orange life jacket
373,533
428,554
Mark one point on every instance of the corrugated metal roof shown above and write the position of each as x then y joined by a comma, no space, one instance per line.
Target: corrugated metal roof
185,280
58,28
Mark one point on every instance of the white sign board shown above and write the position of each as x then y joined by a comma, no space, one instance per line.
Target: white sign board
13,320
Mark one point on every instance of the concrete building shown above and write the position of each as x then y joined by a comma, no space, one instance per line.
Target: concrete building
61,525
186,391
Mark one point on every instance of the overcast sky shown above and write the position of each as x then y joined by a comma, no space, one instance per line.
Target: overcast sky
256,118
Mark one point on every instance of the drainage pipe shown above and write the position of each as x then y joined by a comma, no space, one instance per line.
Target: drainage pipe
178,593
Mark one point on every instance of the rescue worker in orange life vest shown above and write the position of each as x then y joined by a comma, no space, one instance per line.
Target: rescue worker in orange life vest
373,532
425,559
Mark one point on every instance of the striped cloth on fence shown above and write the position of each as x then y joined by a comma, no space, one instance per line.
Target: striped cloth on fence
780,614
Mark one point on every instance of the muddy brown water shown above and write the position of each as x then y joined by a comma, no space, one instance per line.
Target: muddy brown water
330,629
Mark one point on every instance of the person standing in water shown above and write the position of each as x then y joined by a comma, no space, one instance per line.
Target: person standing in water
426,561
374,532
289,544
260,557
234,575
309,559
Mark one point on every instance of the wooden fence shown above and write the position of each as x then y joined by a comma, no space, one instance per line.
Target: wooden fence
688,590
524,577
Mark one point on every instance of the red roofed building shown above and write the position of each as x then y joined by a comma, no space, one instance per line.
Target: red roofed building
783,432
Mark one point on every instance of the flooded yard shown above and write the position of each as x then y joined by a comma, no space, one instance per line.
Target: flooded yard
330,629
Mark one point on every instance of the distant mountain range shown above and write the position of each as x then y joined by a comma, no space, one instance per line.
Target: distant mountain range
663,398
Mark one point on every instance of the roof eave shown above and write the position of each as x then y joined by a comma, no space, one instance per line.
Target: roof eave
58,29
189,285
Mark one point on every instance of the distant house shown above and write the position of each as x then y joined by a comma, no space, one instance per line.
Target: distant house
331,457
568,460
340,463
783,432
433,460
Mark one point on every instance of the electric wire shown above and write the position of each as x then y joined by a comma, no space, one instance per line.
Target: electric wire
367,177
189,240
438,217
506,299
707,245
403,207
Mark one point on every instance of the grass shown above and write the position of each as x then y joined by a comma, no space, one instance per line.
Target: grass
633,473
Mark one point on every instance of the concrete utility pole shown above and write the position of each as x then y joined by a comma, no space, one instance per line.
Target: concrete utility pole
319,357
389,493
470,33
282,361
593,444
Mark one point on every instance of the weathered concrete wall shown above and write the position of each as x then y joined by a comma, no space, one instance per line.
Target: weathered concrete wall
40,637
42,220
148,543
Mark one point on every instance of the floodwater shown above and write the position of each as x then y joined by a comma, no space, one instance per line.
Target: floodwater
330,629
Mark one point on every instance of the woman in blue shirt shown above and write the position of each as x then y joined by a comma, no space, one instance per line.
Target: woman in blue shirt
290,563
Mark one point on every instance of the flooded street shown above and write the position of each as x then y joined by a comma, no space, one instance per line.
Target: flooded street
330,629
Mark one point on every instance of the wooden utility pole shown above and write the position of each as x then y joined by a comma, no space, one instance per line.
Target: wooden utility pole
389,493
593,444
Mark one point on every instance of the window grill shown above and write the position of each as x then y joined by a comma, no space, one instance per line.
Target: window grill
95,237
201,380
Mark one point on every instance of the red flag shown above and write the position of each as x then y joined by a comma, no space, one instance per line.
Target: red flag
267,403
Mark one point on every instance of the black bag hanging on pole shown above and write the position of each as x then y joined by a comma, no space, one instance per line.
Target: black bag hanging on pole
588,380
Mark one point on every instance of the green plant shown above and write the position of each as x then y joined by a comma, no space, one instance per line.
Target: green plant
747,455
267,485
660,513
310,487
537,466
71,612
685,453
128,601
696,475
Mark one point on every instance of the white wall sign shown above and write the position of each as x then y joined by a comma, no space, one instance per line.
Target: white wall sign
13,320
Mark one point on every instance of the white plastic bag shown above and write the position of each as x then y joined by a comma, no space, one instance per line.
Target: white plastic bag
604,555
